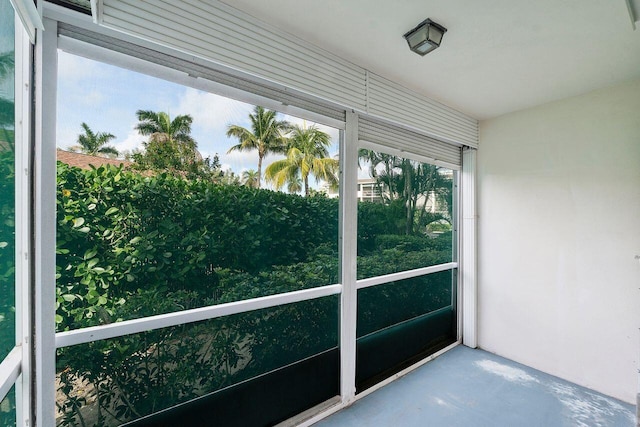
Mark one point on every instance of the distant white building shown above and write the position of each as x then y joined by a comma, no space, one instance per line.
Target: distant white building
368,191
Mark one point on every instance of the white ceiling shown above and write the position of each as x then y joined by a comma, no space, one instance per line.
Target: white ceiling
498,56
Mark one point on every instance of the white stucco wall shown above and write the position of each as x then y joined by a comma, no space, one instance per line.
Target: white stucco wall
559,226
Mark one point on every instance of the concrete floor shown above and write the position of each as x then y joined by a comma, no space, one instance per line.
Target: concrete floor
466,387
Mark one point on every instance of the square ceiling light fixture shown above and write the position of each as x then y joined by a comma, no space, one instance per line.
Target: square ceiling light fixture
425,37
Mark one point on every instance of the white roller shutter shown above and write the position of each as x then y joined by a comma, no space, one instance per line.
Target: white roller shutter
391,101
406,142
217,32
198,70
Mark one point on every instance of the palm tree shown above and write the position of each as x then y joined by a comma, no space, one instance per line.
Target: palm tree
307,154
265,135
7,63
295,185
94,144
250,178
160,128
411,183
385,169
170,145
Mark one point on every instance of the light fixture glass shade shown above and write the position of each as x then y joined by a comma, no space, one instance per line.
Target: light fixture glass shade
435,35
418,37
424,48
426,37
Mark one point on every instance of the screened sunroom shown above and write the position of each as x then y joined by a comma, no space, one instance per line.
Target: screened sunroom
242,213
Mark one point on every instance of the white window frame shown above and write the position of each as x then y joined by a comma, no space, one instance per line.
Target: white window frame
468,238
10,370
23,220
408,274
15,367
387,278
128,327
29,17
46,129
44,227
47,339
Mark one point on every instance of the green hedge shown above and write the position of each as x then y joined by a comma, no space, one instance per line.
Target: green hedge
7,253
119,232
131,246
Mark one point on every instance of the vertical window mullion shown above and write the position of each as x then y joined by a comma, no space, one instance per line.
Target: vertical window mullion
44,226
348,237
468,250
23,235
456,301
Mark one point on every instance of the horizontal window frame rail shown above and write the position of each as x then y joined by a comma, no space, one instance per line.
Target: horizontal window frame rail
409,274
144,324
10,369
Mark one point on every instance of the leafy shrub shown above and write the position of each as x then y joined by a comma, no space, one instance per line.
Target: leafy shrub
7,253
7,272
375,219
131,246
394,302
132,376
119,232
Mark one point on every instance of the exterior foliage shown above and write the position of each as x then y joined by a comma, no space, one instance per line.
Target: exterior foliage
7,210
171,148
119,232
131,246
307,154
266,136
250,178
95,144
7,253
412,185
7,106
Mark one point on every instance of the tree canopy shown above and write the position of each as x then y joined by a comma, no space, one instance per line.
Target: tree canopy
307,154
171,148
7,105
413,185
266,135
94,143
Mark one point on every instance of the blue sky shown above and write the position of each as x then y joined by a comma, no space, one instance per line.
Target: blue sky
106,98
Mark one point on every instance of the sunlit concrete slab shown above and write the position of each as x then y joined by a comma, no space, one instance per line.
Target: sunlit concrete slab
466,387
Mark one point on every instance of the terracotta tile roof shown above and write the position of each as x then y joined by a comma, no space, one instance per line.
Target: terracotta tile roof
83,161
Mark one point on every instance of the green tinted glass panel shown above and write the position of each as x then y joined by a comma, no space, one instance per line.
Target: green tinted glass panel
7,179
188,221
8,409
405,214
113,381
382,306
